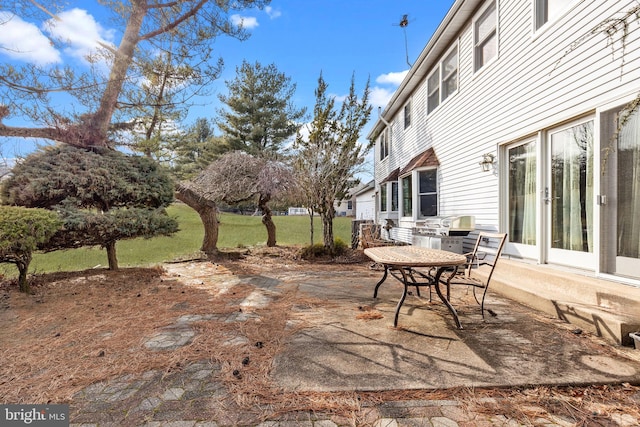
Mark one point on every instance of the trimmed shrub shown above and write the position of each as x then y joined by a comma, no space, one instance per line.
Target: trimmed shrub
22,230
318,249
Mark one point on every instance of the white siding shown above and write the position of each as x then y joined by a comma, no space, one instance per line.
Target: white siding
365,206
521,93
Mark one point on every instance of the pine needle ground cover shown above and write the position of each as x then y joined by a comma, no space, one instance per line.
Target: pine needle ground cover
84,328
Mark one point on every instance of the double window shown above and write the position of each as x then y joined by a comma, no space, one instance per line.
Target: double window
485,37
443,81
426,197
384,203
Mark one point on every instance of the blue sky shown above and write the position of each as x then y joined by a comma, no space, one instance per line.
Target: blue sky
301,37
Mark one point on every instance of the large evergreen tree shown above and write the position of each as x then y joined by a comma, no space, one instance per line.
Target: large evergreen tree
259,115
196,149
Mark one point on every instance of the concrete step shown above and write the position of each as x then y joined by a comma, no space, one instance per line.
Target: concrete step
608,309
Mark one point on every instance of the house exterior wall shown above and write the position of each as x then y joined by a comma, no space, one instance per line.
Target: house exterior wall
365,205
343,207
534,84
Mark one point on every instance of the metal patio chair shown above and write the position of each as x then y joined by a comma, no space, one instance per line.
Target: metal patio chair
483,258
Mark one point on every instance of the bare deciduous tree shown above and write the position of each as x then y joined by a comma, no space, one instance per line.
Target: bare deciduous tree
331,156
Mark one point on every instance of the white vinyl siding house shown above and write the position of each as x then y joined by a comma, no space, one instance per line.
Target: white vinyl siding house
544,110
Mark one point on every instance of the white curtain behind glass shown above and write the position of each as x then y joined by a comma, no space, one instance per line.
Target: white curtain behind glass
572,188
529,217
629,189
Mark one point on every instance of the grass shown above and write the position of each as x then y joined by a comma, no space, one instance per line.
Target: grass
235,231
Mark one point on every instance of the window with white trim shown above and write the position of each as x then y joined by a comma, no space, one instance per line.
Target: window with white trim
383,197
384,140
407,115
485,37
433,89
443,81
428,192
450,74
407,196
548,10
394,196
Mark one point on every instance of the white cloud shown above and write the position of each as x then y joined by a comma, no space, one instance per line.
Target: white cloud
246,22
392,78
338,98
25,42
380,96
80,31
273,14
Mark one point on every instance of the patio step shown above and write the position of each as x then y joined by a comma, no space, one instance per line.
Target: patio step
608,309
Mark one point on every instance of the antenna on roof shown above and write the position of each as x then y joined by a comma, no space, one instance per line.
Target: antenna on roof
404,22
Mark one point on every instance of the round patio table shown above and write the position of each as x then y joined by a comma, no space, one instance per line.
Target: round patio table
401,262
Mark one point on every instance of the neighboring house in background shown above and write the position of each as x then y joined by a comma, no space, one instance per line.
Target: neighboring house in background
364,199
343,207
297,211
502,118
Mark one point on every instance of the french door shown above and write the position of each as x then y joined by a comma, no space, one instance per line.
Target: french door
569,195
622,204
523,203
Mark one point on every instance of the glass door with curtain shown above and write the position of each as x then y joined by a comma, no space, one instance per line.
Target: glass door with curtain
569,196
522,199
622,203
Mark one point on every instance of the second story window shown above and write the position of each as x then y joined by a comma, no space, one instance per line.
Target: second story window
384,144
546,10
485,37
450,74
407,115
443,81
433,87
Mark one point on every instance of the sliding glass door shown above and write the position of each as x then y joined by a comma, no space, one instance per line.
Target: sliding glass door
569,195
621,237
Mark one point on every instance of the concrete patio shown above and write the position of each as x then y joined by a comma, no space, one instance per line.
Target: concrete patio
344,347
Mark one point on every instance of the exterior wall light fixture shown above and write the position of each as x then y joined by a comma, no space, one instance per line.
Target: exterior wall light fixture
488,162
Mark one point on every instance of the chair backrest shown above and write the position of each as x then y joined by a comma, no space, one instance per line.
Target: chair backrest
369,235
487,251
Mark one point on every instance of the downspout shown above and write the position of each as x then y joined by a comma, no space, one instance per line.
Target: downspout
377,207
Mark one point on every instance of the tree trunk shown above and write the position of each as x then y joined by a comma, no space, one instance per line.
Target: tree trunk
23,268
111,255
311,226
267,220
208,212
327,231
100,120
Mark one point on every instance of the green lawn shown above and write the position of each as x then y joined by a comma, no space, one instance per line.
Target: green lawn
235,231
